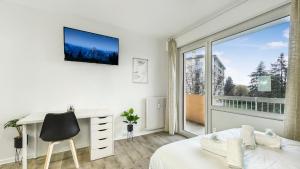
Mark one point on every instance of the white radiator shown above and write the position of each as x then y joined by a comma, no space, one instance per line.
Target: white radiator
155,112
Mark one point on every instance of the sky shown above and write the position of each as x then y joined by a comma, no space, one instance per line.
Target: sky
90,40
241,55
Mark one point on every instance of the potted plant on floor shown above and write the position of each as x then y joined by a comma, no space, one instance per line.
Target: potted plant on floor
17,140
130,119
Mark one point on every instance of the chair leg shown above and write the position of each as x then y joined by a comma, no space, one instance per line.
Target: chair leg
73,150
48,158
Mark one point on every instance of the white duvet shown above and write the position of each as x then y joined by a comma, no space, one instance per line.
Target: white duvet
187,154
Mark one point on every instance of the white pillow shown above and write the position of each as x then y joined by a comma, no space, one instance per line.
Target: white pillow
270,132
235,155
267,140
248,136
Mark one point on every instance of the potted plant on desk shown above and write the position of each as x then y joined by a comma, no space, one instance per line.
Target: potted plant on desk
17,140
130,119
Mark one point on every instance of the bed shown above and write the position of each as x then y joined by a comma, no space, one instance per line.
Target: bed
187,154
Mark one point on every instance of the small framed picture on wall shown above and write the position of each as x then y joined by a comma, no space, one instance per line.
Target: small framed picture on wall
139,70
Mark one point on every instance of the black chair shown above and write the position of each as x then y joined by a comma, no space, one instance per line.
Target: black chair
57,128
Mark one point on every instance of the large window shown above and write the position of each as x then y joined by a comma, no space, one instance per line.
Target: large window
249,69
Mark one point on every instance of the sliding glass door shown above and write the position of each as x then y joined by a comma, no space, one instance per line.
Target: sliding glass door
193,92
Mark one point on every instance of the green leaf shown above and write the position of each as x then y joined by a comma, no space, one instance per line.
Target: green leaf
13,124
130,111
124,114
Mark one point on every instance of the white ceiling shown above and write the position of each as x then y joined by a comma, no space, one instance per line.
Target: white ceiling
161,18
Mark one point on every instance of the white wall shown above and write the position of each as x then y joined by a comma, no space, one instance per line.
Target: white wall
34,76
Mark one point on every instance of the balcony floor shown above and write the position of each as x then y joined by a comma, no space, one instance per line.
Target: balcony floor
195,128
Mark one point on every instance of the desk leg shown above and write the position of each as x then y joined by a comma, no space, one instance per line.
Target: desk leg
24,151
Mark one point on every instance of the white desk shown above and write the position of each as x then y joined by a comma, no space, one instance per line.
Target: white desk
101,125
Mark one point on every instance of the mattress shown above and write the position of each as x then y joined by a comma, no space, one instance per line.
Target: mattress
187,154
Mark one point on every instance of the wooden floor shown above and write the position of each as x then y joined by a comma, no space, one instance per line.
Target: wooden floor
128,155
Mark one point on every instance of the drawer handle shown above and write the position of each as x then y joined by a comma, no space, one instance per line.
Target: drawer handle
102,148
102,130
102,139
102,124
102,117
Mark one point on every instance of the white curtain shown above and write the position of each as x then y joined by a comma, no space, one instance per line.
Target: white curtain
292,106
171,115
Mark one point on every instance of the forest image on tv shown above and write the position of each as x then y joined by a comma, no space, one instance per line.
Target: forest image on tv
89,47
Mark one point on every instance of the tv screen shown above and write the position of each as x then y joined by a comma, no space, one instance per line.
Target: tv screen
84,46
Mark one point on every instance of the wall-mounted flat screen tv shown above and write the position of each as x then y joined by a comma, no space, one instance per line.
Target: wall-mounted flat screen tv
81,46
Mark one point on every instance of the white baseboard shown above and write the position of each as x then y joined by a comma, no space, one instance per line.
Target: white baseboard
145,132
7,160
12,159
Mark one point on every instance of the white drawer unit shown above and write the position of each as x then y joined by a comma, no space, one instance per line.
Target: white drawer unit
101,141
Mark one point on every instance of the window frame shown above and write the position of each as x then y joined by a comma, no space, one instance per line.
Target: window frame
182,115
253,23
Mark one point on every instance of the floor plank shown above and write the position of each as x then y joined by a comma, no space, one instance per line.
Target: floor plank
128,155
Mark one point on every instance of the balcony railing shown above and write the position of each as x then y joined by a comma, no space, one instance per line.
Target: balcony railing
260,104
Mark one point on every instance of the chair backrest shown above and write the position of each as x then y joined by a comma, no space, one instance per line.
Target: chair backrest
57,127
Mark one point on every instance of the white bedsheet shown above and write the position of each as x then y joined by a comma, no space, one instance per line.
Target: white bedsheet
187,154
